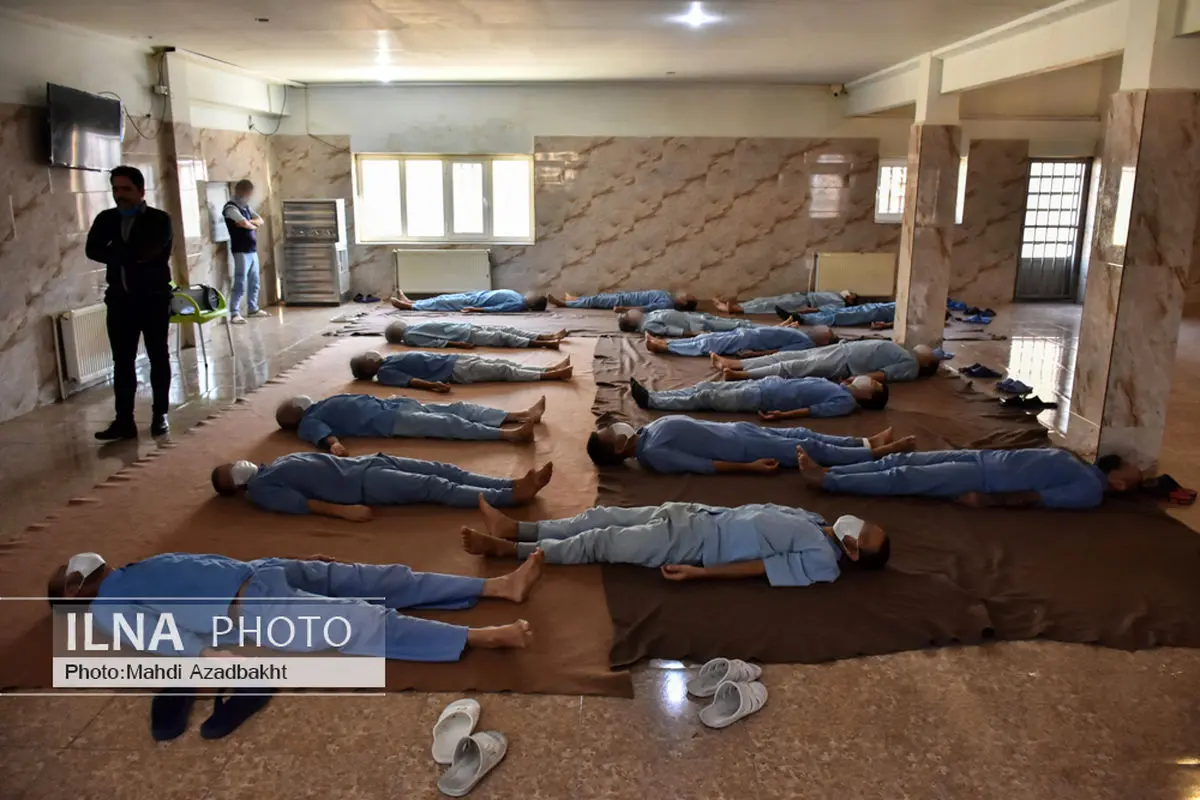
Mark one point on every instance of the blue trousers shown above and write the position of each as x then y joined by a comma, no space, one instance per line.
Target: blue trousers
944,473
366,596
851,315
722,343
437,304
709,396
766,305
651,536
715,324
451,421
605,300
826,449
501,336
481,369
245,283
411,480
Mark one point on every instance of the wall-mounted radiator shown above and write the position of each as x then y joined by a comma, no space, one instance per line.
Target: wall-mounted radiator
84,355
441,271
865,274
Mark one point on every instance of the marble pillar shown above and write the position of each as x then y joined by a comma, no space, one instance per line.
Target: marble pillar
927,234
1145,233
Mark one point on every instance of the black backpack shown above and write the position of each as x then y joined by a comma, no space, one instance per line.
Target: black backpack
206,297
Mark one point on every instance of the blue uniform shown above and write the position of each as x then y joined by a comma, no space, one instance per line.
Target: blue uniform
382,417
288,483
792,301
849,316
493,300
670,323
839,361
822,398
790,541
315,588
764,337
683,444
439,333
648,300
1060,479
400,369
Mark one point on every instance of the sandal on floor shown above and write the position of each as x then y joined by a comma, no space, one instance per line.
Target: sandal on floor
732,702
719,670
456,723
231,711
474,757
169,713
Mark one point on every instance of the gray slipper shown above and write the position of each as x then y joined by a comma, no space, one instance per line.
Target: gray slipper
475,756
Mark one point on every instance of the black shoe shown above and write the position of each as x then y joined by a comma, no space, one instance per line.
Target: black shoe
641,395
169,712
117,431
160,426
785,315
230,711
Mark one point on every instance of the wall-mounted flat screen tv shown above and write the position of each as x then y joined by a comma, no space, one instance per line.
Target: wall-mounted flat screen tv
85,129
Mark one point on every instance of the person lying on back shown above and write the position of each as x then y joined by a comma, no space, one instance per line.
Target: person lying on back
650,300
488,301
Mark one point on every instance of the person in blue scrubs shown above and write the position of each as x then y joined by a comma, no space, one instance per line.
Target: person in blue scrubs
744,342
772,398
249,595
675,324
860,315
326,422
1044,476
685,541
683,444
489,301
797,302
650,300
881,360
465,335
347,488
436,371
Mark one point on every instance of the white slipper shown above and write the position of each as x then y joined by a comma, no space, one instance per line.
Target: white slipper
732,702
474,757
722,669
456,723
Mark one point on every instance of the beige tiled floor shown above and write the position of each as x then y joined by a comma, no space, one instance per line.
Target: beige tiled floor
1025,720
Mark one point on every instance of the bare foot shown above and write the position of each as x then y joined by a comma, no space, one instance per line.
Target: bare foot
563,374
526,488
569,297
720,362
497,524
734,375
905,445
556,300
480,544
532,414
812,474
885,436
521,435
560,334
515,585
656,345
401,302
545,473
548,344
516,636
566,362
723,305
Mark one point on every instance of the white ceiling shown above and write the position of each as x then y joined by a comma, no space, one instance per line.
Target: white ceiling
795,41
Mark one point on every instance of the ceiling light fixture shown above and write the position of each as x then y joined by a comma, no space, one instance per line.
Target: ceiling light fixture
696,16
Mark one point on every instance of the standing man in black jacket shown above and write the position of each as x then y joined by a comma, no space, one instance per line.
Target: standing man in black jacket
134,242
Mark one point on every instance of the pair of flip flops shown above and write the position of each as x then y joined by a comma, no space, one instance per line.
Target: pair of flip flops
171,709
1013,386
1169,490
470,755
978,370
365,298
734,688
1026,403
956,305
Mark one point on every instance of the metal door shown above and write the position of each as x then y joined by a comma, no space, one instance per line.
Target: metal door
1052,236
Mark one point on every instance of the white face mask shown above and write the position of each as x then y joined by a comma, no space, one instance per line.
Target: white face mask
84,563
848,526
624,429
303,402
242,472
862,382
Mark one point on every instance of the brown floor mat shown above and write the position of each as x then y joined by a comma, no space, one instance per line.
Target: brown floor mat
579,321
1122,577
166,503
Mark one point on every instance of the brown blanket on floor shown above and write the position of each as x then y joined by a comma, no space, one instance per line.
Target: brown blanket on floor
578,321
166,504
1123,576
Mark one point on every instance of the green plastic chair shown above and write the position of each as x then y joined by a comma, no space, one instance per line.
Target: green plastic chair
190,312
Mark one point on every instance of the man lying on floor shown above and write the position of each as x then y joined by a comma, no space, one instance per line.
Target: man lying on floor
436,371
744,342
1044,476
464,335
772,398
325,422
793,301
791,546
683,444
260,590
881,360
489,301
347,488
675,324
848,317
651,300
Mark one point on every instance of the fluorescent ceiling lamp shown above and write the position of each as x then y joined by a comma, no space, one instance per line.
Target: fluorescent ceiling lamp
696,16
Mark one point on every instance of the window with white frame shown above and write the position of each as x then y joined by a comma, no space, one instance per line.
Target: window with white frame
448,199
893,180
